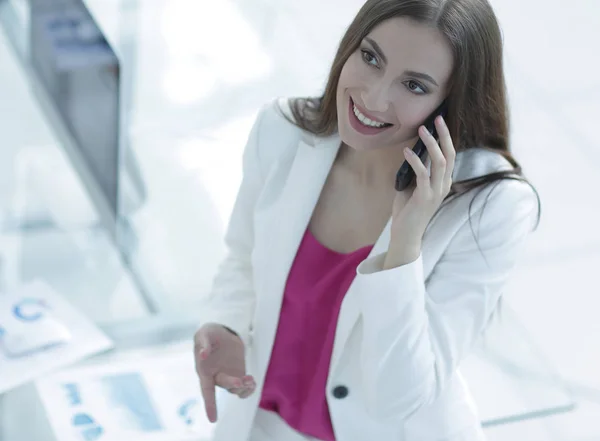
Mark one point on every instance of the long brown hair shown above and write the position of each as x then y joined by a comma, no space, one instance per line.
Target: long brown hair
477,102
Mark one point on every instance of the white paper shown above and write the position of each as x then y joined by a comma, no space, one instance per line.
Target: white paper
140,396
41,302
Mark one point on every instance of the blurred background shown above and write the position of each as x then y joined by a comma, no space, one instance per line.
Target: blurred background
122,124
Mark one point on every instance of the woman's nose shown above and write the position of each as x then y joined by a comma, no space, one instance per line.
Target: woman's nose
375,99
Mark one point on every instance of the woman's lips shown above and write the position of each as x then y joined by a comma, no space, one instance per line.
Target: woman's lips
359,126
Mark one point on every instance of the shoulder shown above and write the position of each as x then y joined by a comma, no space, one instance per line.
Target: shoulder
276,119
275,111
277,134
477,161
510,201
502,213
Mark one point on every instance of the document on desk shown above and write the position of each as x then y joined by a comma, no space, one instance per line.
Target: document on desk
40,332
146,397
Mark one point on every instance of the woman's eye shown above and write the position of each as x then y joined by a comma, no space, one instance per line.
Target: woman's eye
415,87
369,58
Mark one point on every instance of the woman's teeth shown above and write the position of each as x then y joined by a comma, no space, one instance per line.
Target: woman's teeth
366,121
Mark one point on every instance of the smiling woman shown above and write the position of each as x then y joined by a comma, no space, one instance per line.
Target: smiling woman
406,57
346,304
391,79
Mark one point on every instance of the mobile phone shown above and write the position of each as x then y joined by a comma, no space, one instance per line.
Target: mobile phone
406,174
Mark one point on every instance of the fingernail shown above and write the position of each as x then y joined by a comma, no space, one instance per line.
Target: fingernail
408,151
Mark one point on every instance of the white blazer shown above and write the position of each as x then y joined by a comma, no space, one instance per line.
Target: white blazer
402,332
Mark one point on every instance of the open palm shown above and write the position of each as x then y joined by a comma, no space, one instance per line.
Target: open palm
220,361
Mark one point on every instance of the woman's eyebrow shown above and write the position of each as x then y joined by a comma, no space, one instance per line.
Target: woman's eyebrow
409,73
423,76
377,49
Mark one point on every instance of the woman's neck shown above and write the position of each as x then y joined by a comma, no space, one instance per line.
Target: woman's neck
372,167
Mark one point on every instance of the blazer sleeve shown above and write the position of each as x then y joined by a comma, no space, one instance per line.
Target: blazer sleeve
232,297
416,332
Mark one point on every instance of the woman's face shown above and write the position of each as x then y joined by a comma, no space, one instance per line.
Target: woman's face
397,77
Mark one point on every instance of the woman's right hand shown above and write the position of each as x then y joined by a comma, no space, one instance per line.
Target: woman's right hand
220,361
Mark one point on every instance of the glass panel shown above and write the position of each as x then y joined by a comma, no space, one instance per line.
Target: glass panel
54,223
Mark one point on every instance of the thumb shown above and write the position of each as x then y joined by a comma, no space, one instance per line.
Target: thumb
203,344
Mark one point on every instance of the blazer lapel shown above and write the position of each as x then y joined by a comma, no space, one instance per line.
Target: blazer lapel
350,310
287,225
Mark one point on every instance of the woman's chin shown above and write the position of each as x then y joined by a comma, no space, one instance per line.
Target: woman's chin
357,142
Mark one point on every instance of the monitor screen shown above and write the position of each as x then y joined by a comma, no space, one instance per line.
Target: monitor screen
81,74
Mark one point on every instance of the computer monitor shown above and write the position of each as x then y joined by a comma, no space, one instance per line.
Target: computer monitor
81,77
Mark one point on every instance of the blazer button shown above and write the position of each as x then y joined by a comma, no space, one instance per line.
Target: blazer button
340,392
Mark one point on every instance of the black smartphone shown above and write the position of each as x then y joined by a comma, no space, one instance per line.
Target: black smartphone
406,174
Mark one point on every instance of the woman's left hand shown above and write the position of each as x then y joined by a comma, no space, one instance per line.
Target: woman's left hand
414,208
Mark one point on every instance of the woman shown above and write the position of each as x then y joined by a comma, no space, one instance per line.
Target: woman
344,307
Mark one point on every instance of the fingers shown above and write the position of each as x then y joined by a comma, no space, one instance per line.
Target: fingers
242,392
247,388
438,162
202,349
207,385
442,155
227,381
447,147
242,387
246,393
417,165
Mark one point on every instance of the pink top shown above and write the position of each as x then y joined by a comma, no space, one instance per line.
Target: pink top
297,375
